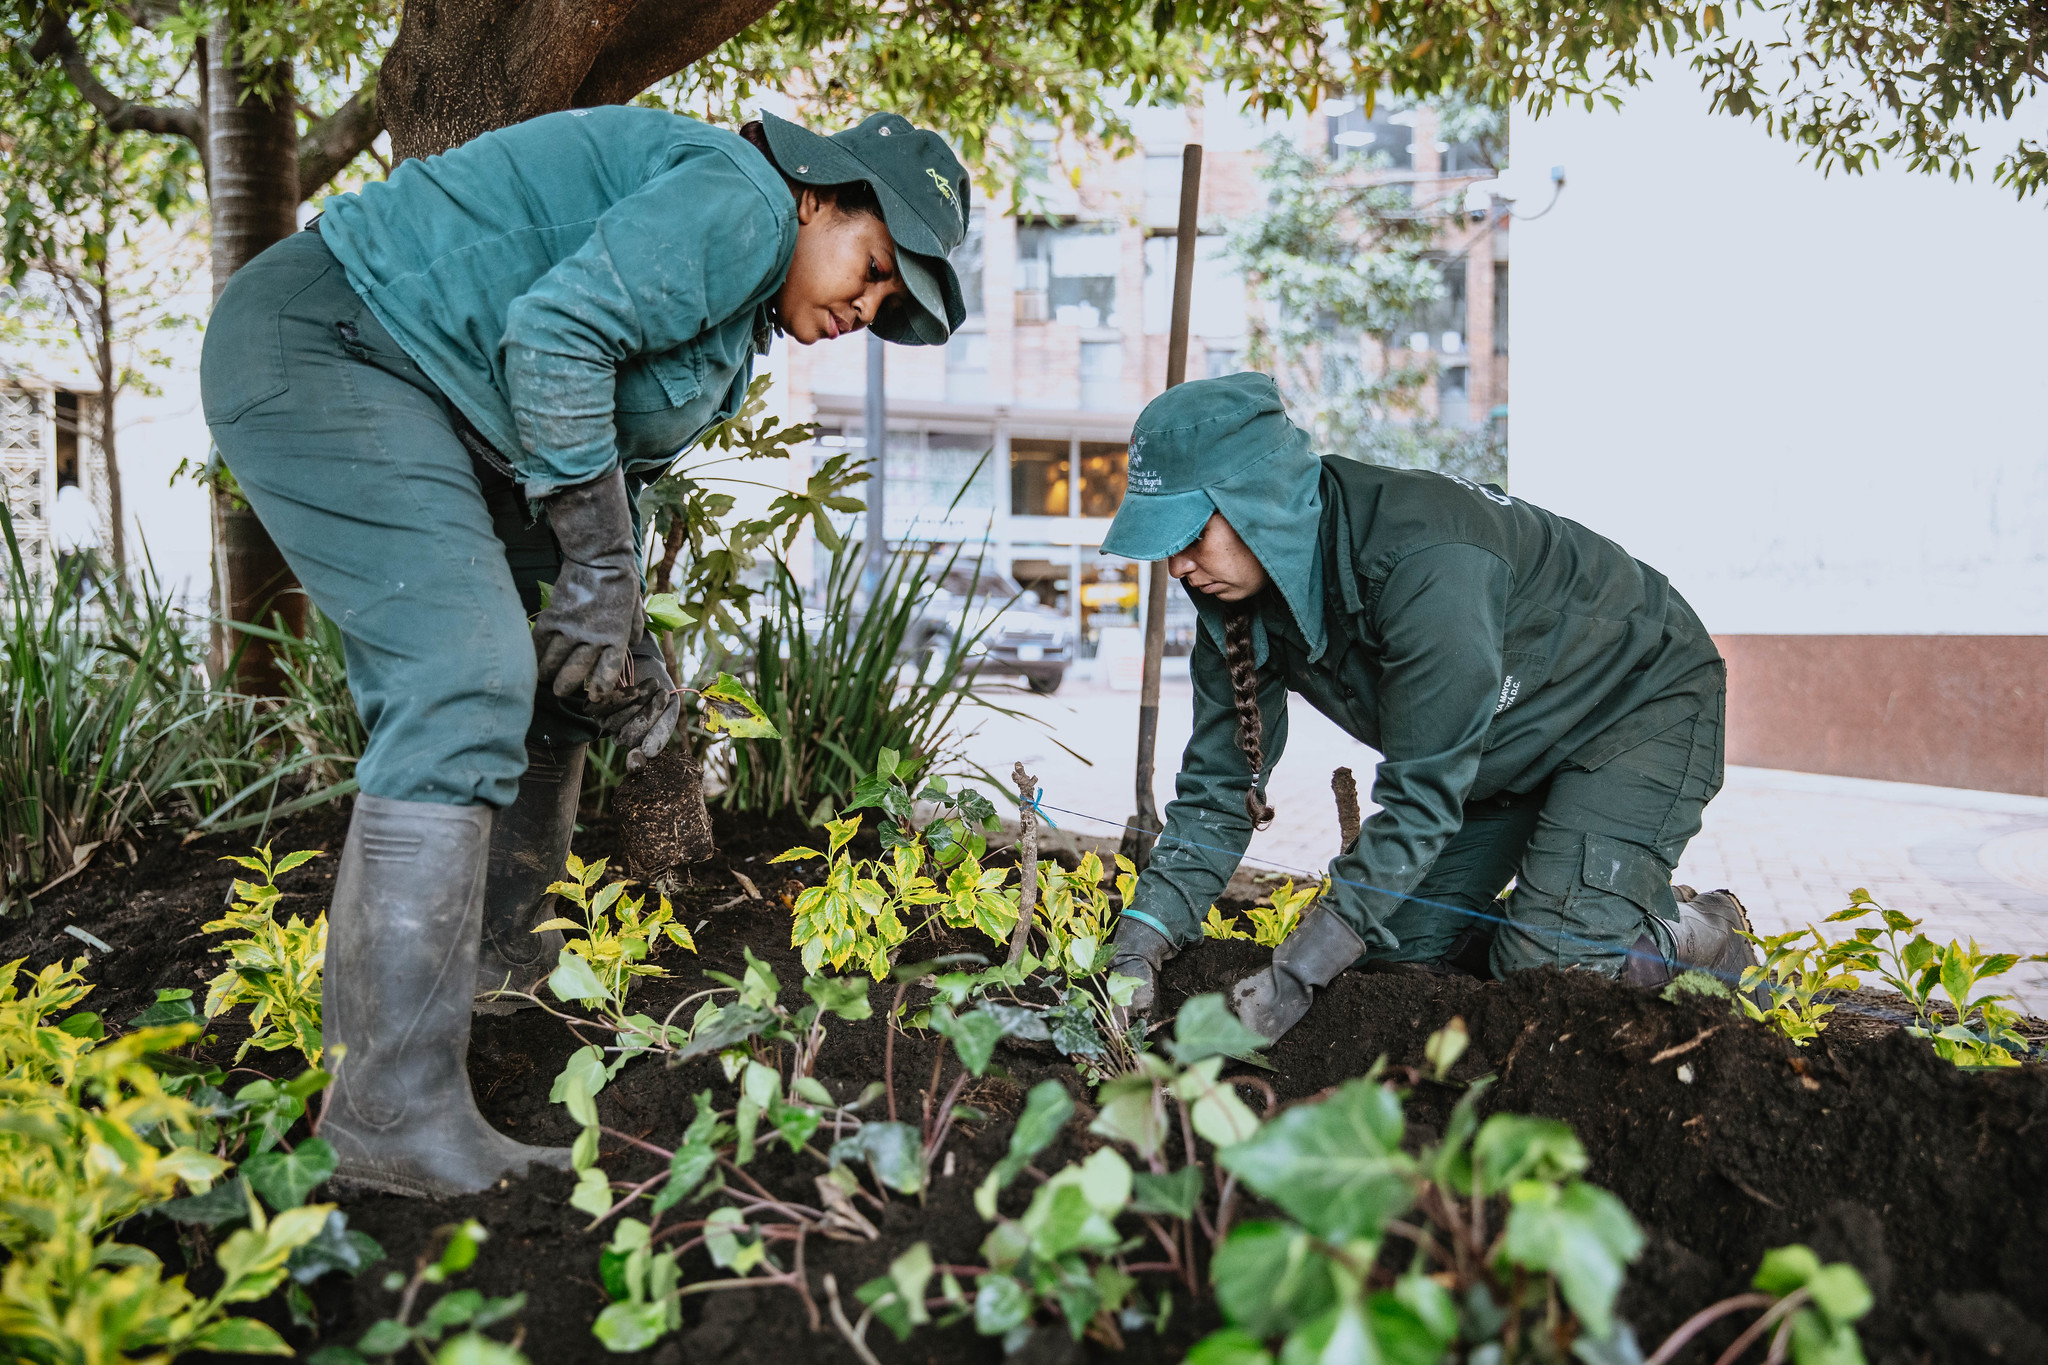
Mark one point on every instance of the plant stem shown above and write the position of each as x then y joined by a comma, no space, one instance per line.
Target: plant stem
1795,1299
1701,1320
856,1336
1027,839
889,1051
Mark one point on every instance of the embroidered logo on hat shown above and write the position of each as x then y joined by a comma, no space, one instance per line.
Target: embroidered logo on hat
945,190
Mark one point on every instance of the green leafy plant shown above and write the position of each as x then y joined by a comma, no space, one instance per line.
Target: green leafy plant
1813,1307
89,1136
274,971
1797,966
1973,1029
618,933
1271,923
1074,914
829,675
865,909
464,1312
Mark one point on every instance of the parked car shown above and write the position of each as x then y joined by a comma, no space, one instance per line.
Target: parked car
1018,634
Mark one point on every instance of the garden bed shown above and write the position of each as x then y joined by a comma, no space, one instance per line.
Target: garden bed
1722,1138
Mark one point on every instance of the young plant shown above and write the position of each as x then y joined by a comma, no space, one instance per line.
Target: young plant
465,1312
1075,915
1797,966
619,935
1271,924
769,1053
89,1136
1812,1307
276,969
855,917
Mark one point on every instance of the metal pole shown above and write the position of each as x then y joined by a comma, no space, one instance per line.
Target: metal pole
877,423
1143,828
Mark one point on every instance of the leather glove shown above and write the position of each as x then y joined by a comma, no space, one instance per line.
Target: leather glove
1141,951
1272,1001
642,711
593,616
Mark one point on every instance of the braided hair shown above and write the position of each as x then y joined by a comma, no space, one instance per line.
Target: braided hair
1239,656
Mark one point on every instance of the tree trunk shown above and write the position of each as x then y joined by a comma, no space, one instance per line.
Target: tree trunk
110,463
253,189
463,67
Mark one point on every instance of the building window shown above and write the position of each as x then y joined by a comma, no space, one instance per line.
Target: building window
1068,274
1389,132
967,367
1440,326
1048,579
1102,375
1162,189
1039,479
967,264
1454,396
1222,360
1216,306
1104,466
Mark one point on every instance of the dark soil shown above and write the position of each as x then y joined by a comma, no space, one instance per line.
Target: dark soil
1724,1139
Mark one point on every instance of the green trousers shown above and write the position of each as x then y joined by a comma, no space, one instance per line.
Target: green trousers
425,557
1590,855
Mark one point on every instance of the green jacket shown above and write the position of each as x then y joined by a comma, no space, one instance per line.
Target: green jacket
588,287
1474,640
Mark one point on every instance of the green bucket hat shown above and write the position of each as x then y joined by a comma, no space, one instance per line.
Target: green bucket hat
925,194
1226,445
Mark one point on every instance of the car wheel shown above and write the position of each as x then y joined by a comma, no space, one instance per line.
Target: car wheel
1045,686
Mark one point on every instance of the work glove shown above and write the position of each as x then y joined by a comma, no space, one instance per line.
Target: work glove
1272,1001
593,617
642,711
1141,951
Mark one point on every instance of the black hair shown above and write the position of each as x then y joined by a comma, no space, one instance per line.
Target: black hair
1238,655
856,197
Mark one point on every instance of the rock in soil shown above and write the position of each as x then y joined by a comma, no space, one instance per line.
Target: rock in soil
1865,1146
662,820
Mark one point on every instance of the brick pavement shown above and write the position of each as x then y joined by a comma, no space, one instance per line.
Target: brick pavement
1792,845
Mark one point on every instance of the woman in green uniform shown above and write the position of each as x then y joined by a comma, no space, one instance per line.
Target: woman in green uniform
1548,708
448,394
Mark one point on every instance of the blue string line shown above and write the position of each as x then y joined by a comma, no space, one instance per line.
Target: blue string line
1561,935
1039,810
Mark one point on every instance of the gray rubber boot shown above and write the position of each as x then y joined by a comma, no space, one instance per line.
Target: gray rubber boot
1273,1001
1705,939
1141,951
401,967
529,849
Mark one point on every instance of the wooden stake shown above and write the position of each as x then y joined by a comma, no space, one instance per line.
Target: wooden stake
1346,788
1142,829
1027,840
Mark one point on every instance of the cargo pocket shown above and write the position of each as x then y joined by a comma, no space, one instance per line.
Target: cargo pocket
241,362
1630,871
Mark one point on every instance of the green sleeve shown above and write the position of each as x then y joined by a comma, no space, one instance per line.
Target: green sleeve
1206,825
692,247
1440,622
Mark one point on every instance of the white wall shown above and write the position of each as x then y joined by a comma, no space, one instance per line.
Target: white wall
1819,405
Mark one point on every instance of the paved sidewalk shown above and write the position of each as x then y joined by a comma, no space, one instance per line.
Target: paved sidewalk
1792,845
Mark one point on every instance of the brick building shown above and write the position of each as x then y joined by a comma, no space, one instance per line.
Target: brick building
1066,340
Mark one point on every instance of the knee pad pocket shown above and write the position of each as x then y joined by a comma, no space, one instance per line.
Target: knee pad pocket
1631,872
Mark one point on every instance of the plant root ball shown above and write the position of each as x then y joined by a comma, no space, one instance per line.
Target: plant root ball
662,820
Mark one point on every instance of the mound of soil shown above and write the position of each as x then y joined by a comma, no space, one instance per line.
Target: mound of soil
1721,1137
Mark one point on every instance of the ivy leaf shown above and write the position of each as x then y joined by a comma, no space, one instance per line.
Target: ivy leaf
1215,1109
974,1035
1269,1277
893,1151
845,996
1336,1167
1046,1111
338,1247
227,1202
572,980
665,614
626,1327
1583,1236
1173,1194
1205,1027
284,1179
730,709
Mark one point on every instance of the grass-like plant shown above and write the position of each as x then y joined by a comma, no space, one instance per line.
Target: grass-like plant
831,679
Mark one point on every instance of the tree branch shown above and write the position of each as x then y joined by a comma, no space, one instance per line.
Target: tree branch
333,142
122,115
660,38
